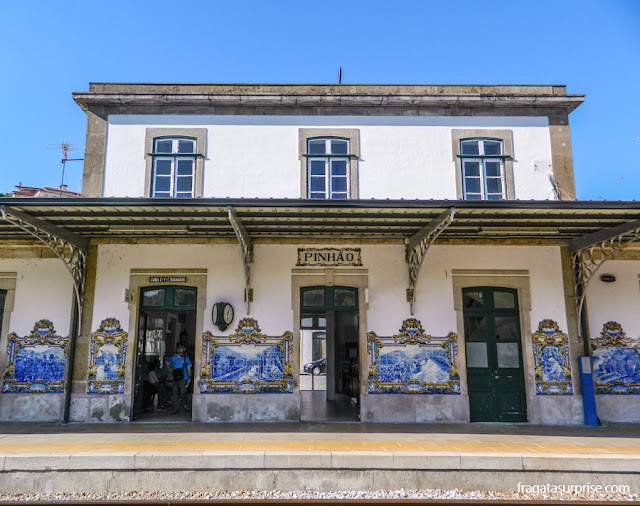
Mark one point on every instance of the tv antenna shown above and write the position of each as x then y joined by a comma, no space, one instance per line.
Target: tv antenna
64,148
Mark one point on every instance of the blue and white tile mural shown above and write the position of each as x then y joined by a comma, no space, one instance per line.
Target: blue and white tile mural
37,362
616,361
551,360
107,352
413,362
247,361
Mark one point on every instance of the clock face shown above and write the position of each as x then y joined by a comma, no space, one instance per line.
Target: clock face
228,314
214,314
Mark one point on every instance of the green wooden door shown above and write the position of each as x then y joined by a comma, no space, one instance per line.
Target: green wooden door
495,374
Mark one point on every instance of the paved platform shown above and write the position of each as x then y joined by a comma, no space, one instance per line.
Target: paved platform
323,457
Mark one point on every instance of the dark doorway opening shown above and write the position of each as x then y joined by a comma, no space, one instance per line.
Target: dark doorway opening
166,318
495,374
329,354
3,297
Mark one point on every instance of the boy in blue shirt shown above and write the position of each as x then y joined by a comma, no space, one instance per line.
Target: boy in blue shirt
179,387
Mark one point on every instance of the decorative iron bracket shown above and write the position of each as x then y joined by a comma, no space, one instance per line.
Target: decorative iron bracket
68,246
591,251
246,250
416,248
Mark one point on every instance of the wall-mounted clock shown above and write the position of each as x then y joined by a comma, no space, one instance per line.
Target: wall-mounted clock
222,315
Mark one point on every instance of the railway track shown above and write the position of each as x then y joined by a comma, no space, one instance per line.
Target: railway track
328,502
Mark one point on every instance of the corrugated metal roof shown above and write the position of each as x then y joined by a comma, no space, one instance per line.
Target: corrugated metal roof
297,218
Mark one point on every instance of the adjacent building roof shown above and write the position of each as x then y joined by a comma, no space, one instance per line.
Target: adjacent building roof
32,191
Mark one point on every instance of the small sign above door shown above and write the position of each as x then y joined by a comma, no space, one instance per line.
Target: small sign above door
167,279
329,256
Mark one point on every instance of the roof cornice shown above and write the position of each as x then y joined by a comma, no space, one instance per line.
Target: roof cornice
328,99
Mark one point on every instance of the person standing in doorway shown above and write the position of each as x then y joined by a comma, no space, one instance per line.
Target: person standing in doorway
180,361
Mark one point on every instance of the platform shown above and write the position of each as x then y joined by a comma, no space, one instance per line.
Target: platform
322,457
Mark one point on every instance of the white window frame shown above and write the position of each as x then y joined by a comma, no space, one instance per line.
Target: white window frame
174,157
328,160
482,159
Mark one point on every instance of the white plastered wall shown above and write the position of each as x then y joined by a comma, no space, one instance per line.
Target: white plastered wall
619,302
225,282
435,309
257,156
434,293
387,270
44,291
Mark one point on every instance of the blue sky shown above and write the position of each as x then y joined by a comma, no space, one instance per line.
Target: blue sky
50,49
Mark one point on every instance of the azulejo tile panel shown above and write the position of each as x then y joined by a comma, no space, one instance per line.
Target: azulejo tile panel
413,362
616,361
37,362
247,361
107,353
551,359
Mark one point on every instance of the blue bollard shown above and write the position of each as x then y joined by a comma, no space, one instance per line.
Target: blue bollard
588,394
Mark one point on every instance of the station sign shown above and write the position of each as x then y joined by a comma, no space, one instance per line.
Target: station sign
167,279
329,257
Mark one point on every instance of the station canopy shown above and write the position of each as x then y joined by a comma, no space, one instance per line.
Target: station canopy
120,218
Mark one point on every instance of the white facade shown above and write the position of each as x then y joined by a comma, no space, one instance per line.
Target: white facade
257,157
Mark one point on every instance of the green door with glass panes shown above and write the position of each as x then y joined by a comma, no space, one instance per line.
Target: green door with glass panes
495,375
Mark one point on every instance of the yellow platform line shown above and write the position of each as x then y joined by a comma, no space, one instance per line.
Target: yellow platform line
313,446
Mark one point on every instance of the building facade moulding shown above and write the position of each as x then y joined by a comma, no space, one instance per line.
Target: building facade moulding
113,98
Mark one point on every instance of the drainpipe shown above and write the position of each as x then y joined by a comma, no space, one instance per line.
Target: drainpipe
73,334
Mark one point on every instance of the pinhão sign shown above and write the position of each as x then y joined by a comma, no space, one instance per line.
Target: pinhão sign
329,256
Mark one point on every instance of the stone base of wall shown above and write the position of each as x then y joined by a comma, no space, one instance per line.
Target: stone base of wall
31,407
555,409
398,408
618,408
99,408
246,408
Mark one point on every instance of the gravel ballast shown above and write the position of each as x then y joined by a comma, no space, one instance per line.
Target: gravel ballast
401,494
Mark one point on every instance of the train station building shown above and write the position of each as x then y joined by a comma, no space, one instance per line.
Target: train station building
403,254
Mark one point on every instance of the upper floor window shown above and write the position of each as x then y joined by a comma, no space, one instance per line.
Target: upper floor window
328,168
483,175
174,161
328,163
483,159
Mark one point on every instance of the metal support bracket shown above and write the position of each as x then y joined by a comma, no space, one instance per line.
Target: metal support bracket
246,250
69,247
416,248
591,251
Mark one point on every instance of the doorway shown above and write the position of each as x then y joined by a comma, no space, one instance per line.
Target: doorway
493,345
166,318
329,354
